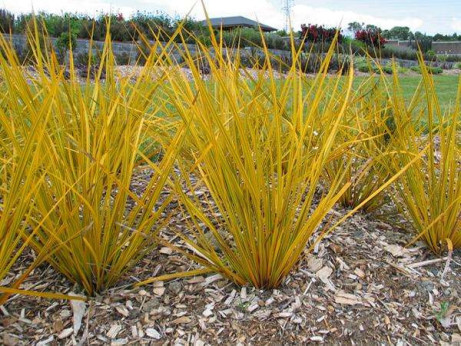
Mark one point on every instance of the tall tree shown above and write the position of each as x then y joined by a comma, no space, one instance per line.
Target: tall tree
355,26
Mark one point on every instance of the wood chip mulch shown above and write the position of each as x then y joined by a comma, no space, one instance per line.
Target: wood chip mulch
360,285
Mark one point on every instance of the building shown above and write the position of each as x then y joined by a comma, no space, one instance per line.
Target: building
230,23
439,47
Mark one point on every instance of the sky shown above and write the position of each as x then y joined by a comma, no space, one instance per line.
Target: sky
426,16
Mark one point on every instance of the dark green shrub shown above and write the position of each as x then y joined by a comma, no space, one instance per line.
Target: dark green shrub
424,44
43,46
275,41
452,58
431,69
91,29
64,42
435,70
363,67
6,21
430,54
83,60
123,59
148,24
387,69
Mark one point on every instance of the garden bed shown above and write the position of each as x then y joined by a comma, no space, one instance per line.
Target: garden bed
360,285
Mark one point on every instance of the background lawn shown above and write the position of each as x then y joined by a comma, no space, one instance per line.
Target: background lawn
446,87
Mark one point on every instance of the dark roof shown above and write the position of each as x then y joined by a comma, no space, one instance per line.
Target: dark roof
237,21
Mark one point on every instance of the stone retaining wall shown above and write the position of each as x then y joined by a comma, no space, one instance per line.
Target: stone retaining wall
130,51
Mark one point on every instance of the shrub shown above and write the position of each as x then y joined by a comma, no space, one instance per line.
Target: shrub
123,59
452,58
65,42
424,45
387,69
318,33
6,21
364,67
368,65
275,41
149,24
39,46
430,69
430,54
370,37
242,37
83,60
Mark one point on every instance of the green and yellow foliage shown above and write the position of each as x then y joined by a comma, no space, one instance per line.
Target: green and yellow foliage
429,192
90,147
255,161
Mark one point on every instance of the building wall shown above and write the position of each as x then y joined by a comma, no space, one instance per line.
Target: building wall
453,47
439,47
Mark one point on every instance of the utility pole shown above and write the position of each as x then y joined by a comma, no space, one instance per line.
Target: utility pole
287,5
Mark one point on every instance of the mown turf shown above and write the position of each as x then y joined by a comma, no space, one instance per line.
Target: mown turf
446,87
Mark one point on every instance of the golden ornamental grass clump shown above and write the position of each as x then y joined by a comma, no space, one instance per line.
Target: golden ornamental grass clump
24,118
257,162
429,192
260,146
20,178
90,147
365,136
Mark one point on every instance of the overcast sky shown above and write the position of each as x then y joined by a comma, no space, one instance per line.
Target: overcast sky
427,16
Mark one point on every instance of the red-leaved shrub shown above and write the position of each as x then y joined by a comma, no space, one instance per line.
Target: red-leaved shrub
371,38
318,33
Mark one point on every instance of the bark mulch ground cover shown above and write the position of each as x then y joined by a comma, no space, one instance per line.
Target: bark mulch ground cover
360,285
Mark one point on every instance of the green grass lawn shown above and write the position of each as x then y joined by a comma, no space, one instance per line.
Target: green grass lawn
446,87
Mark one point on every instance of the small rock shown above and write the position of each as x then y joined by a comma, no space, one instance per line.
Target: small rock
78,309
253,307
396,250
347,299
243,293
199,342
426,285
